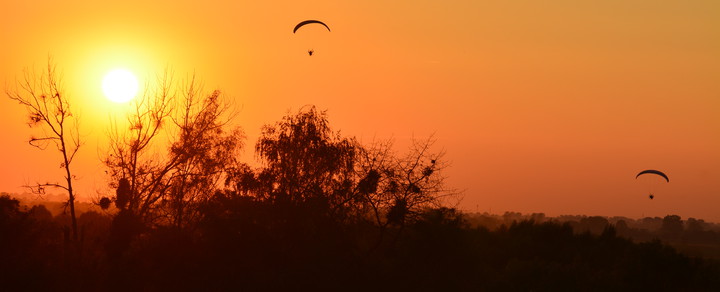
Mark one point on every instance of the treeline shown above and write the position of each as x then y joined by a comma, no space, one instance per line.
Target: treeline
244,244
692,236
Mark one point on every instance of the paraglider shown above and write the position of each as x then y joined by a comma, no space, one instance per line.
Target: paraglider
653,172
306,22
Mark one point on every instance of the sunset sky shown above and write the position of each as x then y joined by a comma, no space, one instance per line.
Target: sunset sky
541,106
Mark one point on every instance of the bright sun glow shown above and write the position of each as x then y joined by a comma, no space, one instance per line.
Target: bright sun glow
120,85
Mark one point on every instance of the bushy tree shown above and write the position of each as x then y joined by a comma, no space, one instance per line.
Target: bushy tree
314,179
305,162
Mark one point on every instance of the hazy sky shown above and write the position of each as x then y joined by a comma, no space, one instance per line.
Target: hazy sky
541,106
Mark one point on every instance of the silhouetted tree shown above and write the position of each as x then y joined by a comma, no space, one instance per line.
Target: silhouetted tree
621,226
403,185
695,225
140,178
316,178
9,210
305,163
593,224
205,152
30,253
672,226
166,187
49,108
40,213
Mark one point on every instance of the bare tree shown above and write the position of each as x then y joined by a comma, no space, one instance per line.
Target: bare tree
49,109
204,152
415,181
141,179
395,190
398,187
165,186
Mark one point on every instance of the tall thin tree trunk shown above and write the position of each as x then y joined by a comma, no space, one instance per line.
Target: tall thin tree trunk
71,195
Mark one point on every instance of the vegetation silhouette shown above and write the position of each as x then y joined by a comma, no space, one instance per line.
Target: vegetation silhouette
320,211
49,108
249,244
162,187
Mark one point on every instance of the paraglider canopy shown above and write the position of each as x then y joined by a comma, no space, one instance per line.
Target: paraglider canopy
303,23
652,171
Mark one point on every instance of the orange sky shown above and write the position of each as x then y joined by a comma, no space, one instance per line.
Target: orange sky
541,107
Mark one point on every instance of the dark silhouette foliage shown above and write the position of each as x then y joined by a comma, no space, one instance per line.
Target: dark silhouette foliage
250,244
31,247
323,212
49,109
166,187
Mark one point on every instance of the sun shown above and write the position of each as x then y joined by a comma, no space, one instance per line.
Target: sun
120,85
